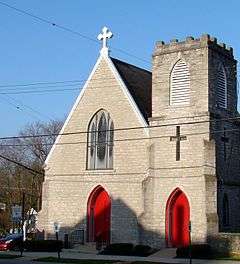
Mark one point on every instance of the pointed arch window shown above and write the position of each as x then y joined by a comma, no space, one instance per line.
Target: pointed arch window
221,87
100,141
225,210
180,84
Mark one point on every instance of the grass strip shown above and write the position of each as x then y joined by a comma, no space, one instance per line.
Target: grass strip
232,257
92,261
81,261
8,256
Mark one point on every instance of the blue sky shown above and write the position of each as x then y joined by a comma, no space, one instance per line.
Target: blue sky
32,51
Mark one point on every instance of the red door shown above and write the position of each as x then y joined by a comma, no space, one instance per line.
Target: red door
177,222
99,213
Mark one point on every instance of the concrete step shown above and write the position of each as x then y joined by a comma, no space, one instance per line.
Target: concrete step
165,253
87,248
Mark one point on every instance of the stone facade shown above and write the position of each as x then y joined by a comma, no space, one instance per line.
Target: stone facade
145,170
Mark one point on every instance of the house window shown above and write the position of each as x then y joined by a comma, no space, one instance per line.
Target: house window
221,87
100,141
225,210
180,84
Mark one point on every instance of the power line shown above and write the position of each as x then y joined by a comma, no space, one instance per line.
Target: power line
125,129
41,83
16,106
21,165
30,108
40,173
48,84
39,87
121,140
46,21
41,91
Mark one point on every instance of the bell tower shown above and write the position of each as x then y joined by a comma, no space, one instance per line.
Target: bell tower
194,107
193,77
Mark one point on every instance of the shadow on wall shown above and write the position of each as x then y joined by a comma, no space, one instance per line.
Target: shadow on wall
117,224
120,224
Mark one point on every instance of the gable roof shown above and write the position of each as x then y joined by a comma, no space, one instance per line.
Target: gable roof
139,83
136,84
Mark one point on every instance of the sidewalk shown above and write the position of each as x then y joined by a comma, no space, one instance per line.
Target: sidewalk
78,255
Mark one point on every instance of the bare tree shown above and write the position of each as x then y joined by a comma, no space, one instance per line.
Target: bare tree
30,152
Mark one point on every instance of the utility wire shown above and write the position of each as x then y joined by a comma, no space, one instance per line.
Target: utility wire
120,140
39,87
46,21
17,107
124,129
21,165
30,108
34,172
40,173
42,83
41,91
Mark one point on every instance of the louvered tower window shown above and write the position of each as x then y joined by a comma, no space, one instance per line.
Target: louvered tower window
180,84
221,87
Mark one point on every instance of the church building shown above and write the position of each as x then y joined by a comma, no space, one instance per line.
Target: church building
144,155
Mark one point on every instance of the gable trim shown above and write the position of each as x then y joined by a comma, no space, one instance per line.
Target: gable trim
73,109
127,94
124,89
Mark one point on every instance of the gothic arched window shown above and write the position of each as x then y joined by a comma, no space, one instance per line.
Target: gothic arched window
180,84
221,87
225,214
100,141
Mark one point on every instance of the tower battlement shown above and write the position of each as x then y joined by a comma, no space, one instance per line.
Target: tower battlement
190,43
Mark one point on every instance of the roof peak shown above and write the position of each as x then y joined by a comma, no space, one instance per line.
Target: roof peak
132,65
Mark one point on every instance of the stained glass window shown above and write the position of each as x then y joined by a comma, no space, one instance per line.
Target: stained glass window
100,141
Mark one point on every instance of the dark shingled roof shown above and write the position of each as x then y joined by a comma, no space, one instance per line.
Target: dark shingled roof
139,83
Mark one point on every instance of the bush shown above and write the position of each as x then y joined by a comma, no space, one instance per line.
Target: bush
118,249
43,245
142,251
198,251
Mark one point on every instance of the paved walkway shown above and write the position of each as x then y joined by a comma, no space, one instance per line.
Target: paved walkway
79,255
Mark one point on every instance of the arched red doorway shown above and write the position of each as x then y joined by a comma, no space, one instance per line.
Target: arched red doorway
177,219
98,215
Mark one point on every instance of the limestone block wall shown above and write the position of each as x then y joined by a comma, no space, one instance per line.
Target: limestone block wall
194,174
226,243
68,183
228,171
68,204
195,54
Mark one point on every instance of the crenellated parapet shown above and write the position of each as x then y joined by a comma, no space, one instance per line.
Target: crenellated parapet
191,43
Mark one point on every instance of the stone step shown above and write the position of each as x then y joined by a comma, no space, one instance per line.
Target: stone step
165,253
87,248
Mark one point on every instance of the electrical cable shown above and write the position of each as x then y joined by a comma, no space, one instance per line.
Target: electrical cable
46,21
126,128
42,83
21,165
120,140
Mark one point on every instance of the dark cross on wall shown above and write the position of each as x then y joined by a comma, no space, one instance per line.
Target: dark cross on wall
225,140
178,138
